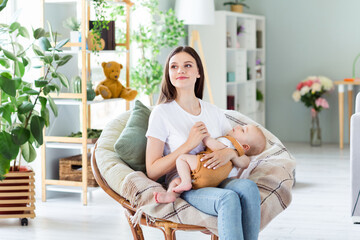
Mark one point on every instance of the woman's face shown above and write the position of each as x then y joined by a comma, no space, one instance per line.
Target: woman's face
183,71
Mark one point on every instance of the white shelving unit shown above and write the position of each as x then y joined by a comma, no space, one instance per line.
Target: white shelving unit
234,49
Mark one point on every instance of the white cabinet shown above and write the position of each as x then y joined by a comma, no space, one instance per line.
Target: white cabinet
234,51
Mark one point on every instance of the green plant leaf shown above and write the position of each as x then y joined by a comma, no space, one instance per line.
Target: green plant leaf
38,33
19,69
28,152
61,43
36,127
25,107
9,55
2,6
64,80
37,50
25,61
44,43
8,85
64,60
14,26
24,32
21,118
53,106
48,59
51,32
30,91
41,83
8,149
43,101
20,135
5,112
46,115
4,62
4,163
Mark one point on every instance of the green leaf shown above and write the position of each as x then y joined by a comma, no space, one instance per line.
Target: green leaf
19,69
21,118
25,107
4,62
44,43
64,60
9,55
28,152
2,6
36,127
5,112
51,32
37,50
25,61
43,101
53,106
24,32
38,33
48,59
30,91
14,26
20,135
61,43
46,115
8,86
64,80
41,83
8,149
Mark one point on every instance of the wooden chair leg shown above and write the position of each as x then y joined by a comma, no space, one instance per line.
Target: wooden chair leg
214,237
136,231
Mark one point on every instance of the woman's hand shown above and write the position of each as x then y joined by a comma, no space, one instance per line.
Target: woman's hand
218,158
197,133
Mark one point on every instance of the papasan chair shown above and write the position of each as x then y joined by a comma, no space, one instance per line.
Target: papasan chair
272,171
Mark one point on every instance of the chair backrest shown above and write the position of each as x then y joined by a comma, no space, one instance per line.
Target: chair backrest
103,184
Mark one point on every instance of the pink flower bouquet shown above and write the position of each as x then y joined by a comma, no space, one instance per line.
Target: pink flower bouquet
310,90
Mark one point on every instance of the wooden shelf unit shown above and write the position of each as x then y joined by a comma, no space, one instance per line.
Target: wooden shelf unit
79,99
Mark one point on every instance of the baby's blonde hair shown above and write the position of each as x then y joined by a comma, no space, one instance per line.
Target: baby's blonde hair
259,146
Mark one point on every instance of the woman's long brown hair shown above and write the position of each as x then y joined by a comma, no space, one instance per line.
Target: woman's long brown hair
168,91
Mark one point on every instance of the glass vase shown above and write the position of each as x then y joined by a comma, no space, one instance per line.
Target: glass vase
315,130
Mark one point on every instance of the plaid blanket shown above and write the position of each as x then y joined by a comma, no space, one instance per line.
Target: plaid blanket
272,171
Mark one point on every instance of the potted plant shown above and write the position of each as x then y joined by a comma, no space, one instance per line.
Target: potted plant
259,98
24,104
74,26
237,5
163,31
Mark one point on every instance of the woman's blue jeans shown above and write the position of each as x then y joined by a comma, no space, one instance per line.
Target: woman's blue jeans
236,203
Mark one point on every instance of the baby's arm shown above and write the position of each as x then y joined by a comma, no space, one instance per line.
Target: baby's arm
241,162
213,144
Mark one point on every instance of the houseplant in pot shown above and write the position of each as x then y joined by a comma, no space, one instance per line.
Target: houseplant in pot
24,106
237,5
74,26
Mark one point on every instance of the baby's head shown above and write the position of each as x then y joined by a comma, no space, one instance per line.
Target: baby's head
251,137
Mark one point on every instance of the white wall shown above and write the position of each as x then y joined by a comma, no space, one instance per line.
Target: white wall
308,37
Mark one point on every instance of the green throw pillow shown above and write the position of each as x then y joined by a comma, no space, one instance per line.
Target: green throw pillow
131,144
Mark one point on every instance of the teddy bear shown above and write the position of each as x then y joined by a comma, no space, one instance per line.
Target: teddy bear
111,86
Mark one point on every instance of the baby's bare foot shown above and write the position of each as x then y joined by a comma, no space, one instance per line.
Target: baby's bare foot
182,187
164,197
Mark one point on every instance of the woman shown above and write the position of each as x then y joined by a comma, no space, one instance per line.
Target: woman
177,125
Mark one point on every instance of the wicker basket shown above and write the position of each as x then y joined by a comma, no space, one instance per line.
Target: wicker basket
70,169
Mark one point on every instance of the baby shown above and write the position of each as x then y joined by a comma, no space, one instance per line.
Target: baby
193,172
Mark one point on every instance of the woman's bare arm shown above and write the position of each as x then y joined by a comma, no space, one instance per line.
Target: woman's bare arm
157,165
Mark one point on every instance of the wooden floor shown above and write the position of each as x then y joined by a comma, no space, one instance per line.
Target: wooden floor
320,208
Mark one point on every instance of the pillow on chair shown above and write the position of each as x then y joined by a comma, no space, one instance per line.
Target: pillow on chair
131,144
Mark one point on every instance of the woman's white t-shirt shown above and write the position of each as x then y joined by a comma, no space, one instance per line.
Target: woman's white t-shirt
172,124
